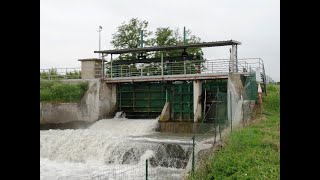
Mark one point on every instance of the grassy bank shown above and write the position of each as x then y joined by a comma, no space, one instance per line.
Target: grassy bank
252,152
55,91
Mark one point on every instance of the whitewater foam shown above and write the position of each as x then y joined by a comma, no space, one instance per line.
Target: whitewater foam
107,147
124,127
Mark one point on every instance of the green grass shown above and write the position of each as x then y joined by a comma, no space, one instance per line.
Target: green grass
55,91
252,152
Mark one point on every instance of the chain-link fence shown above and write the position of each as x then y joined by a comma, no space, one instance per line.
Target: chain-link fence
227,110
141,171
250,96
210,129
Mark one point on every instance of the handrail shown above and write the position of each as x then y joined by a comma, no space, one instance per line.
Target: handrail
213,66
60,73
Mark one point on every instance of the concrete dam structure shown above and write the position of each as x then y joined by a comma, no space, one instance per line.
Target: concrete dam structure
146,117
178,90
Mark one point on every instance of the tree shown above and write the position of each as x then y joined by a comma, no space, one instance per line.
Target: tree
167,36
128,36
190,38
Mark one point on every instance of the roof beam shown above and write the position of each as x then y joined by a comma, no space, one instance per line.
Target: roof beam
172,47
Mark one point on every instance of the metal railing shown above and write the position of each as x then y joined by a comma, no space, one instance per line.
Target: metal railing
214,66
174,68
60,73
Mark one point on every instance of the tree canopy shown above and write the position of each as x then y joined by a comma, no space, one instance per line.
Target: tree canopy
128,36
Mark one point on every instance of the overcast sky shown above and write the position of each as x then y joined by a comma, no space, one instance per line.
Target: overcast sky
68,28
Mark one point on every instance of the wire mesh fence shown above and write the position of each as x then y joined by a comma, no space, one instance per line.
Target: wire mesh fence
226,111
250,96
60,73
210,129
120,172
141,171
250,88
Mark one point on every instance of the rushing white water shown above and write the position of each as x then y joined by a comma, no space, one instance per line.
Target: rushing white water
126,127
111,148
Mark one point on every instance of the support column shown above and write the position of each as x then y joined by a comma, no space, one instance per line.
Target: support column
113,93
161,63
111,65
234,59
197,104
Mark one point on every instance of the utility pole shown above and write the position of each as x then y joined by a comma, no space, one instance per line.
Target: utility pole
102,62
100,29
184,35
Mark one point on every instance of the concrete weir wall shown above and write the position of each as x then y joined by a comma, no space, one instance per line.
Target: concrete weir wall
197,104
98,101
235,100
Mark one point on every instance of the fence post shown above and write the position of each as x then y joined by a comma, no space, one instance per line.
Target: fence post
161,63
231,110
146,169
193,144
243,110
184,66
111,66
193,154
121,70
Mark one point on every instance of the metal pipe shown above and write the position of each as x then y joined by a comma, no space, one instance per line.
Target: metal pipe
184,36
243,110
100,29
204,103
184,66
193,158
111,65
231,110
166,94
141,38
162,63
146,169
120,70
236,57
102,63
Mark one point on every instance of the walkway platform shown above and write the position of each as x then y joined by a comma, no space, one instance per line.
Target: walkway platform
183,77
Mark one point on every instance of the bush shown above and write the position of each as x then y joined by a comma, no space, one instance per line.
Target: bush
55,91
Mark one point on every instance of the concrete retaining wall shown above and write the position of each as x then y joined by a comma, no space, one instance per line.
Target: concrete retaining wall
98,101
179,127
235,100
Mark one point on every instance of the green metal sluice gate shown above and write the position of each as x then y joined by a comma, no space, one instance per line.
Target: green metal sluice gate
146,100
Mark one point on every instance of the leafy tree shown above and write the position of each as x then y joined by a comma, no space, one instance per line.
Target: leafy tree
167,36
128,36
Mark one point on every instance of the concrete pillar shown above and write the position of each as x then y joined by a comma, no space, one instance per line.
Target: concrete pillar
114,94
197,104
165,114
91,68
234,59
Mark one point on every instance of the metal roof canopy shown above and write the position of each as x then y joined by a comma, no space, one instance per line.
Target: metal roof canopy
173,47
